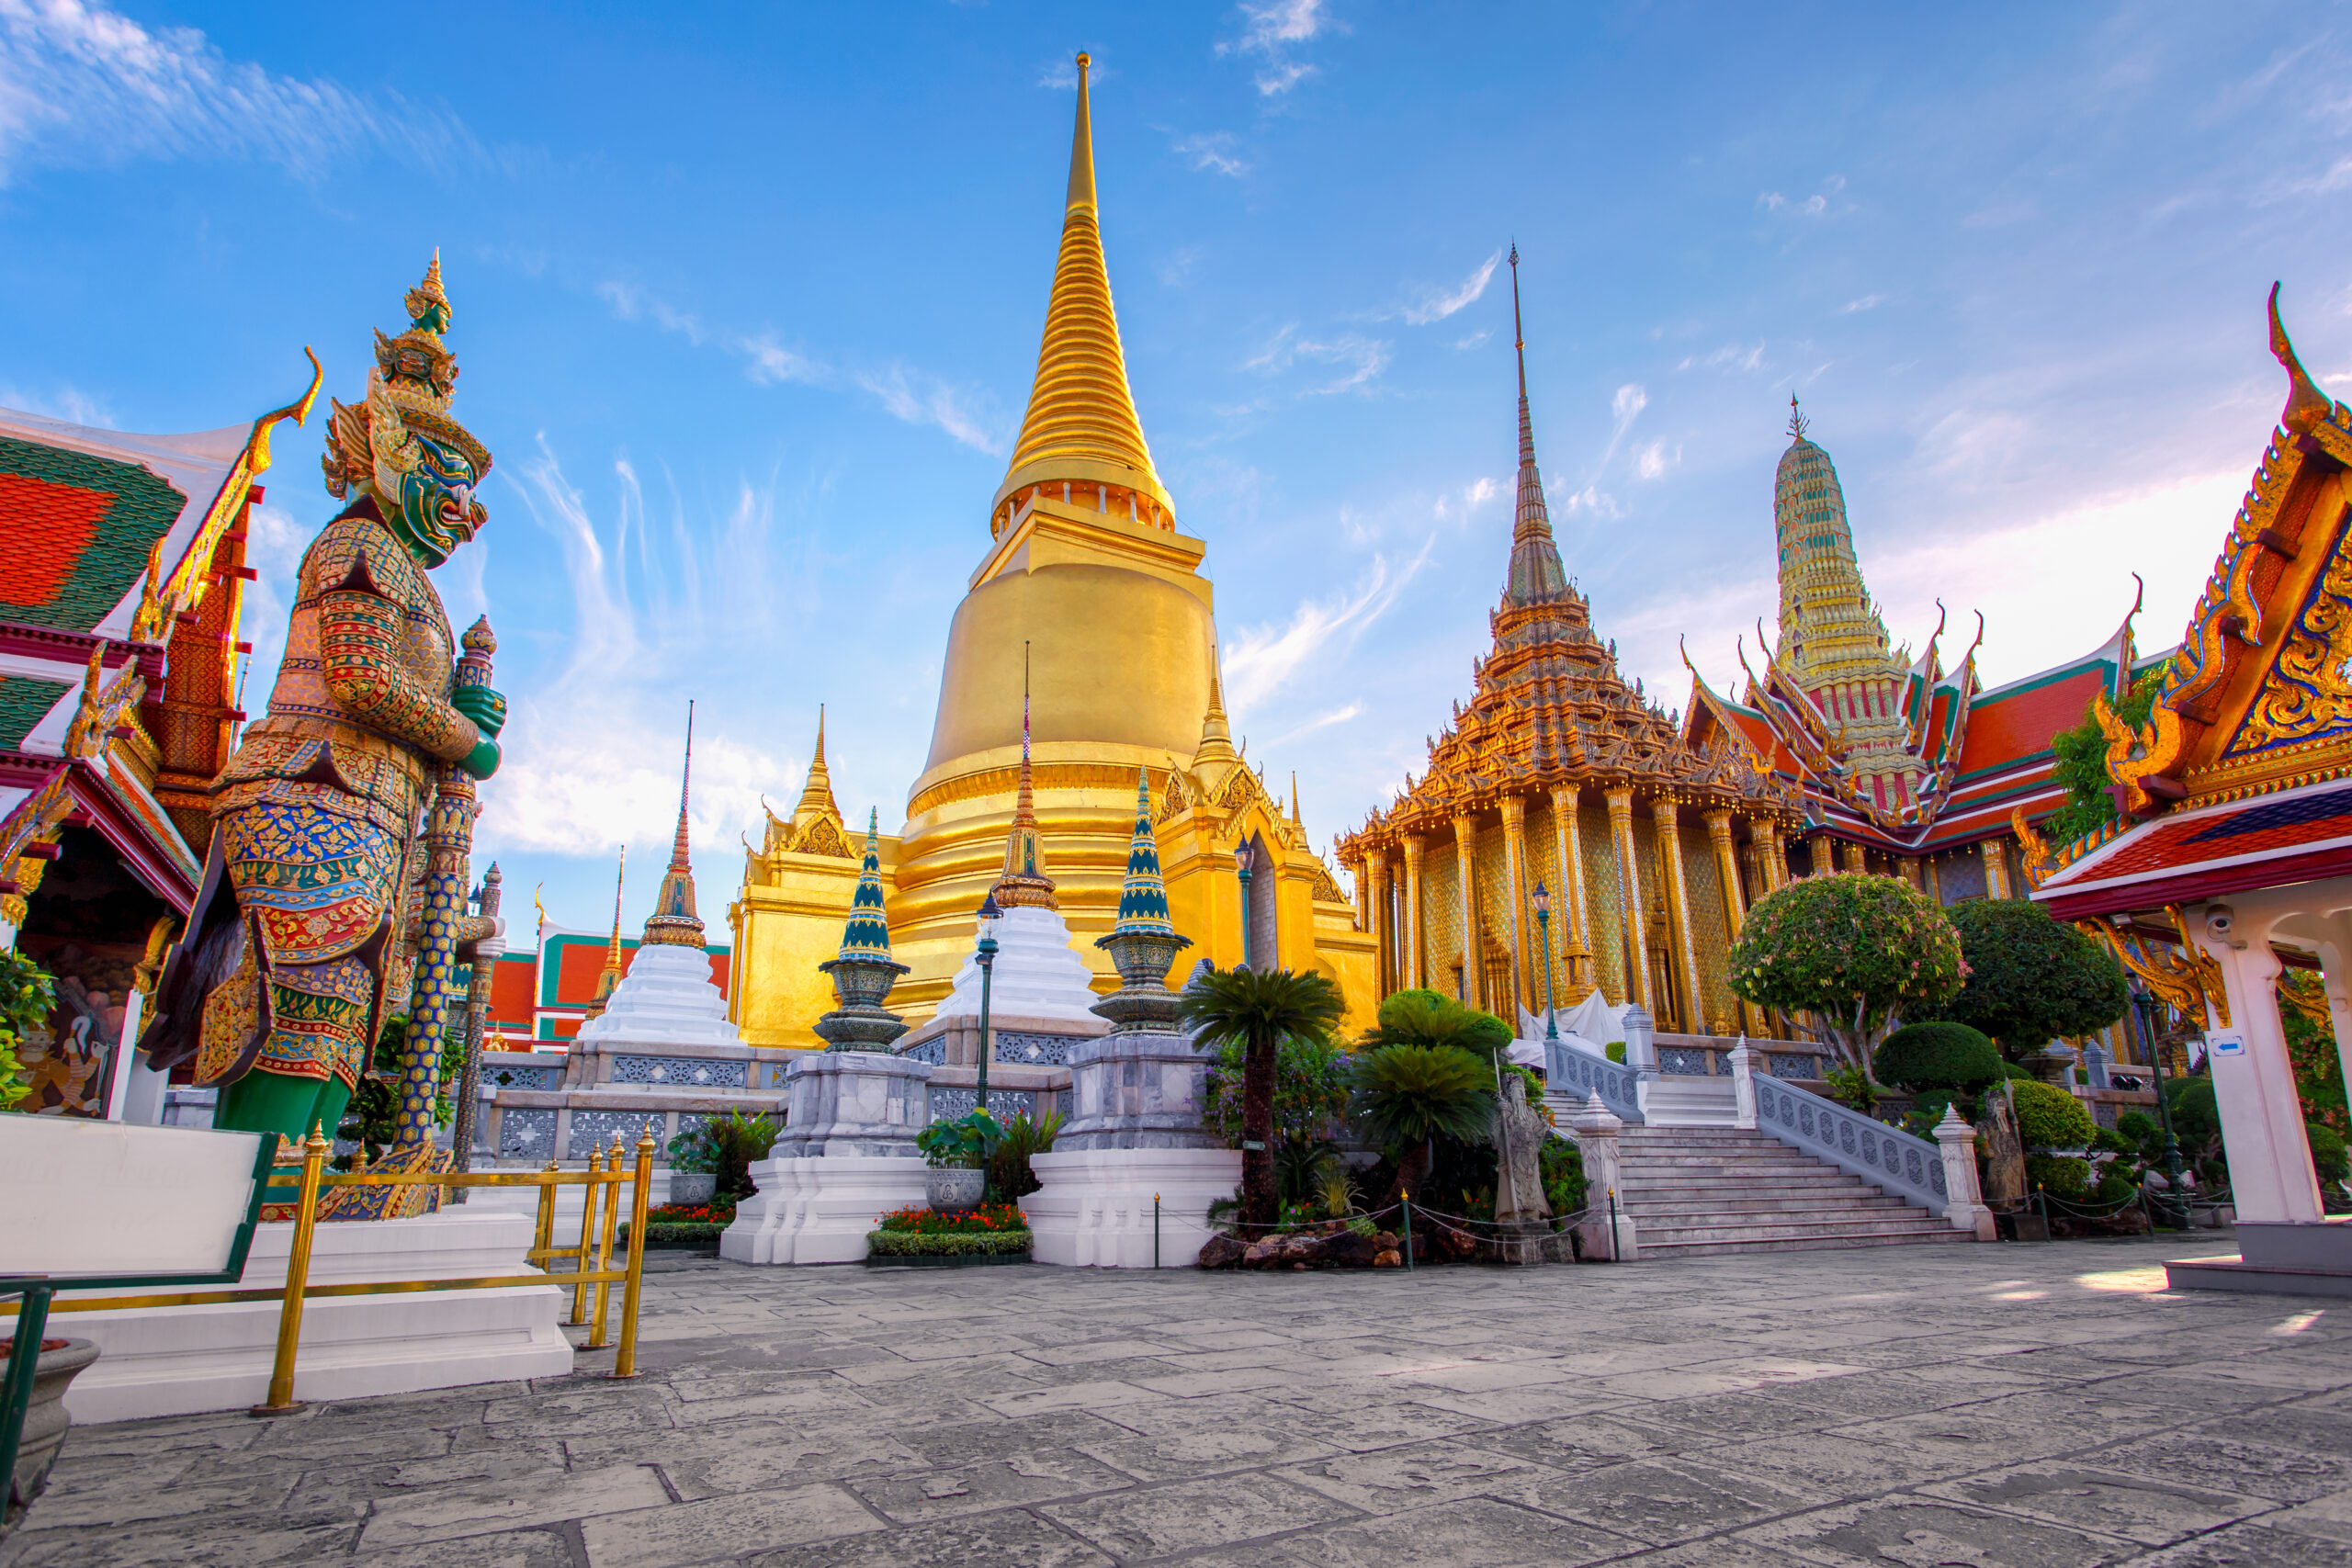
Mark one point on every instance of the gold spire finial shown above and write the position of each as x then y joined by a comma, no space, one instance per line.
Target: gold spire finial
610,977
1024,879
1798,423
1217,733
1081,429
428,299
817,793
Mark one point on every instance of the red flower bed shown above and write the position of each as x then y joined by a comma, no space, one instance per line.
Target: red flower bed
985,1219
692,1214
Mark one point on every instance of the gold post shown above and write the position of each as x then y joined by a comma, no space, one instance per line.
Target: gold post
587,1234
612,1192
543,1233
625,1364
298,1275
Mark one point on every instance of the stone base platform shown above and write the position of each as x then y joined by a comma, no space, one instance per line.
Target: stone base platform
181,1361
2276,1260
817,1210
1095,1208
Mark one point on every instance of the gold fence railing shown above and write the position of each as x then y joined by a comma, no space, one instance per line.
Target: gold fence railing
599,1218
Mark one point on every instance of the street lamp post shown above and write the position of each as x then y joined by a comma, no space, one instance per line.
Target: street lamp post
1544,930
1241,865
2144,1003
986,956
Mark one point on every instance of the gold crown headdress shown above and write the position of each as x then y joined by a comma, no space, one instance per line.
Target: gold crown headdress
408,391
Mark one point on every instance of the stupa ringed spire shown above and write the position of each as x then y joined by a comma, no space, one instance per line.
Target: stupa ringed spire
674,920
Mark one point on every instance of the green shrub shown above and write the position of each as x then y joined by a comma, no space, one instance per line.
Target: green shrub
736,1140
1927,1110
1854,952
917,1244
1424,1017
1938,1056
27,995
960,1143
2108,1140
2031,978
670,1235
1009,1173
1615,1052
2328,1161
2050,1118
2114,1187
2061,1176
2142,1129
1851,1086
1564,1180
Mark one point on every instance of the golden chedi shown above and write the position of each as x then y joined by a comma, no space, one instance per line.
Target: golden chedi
1090,598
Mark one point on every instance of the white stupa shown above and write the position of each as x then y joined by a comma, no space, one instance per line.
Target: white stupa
1038,976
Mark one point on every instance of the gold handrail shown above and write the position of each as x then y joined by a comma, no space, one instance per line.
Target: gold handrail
601,1180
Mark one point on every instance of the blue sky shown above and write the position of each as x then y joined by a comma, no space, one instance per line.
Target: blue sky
747,299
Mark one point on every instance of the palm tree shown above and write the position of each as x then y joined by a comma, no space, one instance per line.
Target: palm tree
1408,1095
1259,1009
1423,1016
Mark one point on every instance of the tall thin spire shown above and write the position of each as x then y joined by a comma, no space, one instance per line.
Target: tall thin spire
867,934
610,977
1536,574
674,920
1082,428
1023,878
817,793
1216,732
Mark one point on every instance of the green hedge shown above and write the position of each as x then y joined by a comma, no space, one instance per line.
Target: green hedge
2050,1118
1938,1056
667,1234
913,1244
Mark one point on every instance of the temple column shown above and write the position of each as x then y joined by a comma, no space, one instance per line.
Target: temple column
1568,843
1910,870
1414,847
1856,861
1383,927
1772,857
1735,902
1465,861
1515,868
1666,819
1996,867
1628,897
1935,887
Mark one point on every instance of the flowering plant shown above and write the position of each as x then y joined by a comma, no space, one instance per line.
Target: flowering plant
1855,952
985,1219
712,1213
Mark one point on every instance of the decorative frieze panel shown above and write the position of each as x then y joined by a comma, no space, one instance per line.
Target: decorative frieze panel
594,1130
526,1135
679,1072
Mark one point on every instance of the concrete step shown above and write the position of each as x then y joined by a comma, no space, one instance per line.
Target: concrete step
1755,1227
1807,1243
1701,1190
1648,1204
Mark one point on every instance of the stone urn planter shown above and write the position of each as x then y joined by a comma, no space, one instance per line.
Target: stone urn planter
693,1186
45,1422
952,1188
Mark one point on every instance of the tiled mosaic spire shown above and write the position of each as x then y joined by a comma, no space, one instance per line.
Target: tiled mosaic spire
1023,878
674,920
1143,901
1536,574
867,935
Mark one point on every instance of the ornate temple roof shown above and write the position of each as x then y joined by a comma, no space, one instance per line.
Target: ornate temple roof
1549,707
1082,423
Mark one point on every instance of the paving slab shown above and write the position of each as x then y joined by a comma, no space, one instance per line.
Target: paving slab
2006,1404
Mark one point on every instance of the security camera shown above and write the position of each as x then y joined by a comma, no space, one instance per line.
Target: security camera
2219,921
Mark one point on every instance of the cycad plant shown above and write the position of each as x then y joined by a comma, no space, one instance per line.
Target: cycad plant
1258,1010
1408,1096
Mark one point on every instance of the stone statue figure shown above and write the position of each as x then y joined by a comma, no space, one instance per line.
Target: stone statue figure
296,950
1520,1131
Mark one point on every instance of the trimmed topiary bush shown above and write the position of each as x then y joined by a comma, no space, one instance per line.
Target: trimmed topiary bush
2050,1118
1854,952
2032,980
2060,1176
1938,1056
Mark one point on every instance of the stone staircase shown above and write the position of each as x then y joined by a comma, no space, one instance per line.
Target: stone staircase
1695,1191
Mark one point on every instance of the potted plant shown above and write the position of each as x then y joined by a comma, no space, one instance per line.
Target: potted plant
45,1421
694,1166
957,1151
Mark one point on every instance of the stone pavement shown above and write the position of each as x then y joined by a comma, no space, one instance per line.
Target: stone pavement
2045,1405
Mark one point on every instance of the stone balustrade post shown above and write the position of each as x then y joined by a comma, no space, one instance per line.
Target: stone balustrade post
1595,1128
1743,1084
1964,1201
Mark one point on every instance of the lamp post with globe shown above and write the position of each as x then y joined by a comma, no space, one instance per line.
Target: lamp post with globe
1543,930
986,955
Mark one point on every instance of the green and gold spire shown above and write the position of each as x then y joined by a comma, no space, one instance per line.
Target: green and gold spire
1143,901
675,920
867,934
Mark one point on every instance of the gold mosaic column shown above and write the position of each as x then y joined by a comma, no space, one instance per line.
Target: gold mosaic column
1376,922
1515,869
1910,870
1996,867
1772,857
1665,820
1465,861
1751,1016
1568,842
1414,850
1857,862
1628,897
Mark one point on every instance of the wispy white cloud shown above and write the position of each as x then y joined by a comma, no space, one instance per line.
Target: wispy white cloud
1320,721
1476,340
1360,360
1867,303
1458,506
1653,460
1437,304
1817,205
82,83
1260,659
69,403
769,362
1212,152
922,399
1272,30
1174,268
1731,356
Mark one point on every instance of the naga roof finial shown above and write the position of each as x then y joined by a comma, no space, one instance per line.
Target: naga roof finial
2306,404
